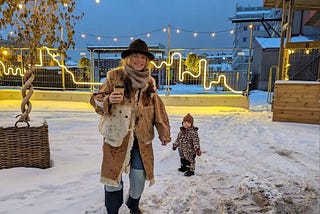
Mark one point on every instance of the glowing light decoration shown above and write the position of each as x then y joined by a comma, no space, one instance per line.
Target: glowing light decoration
17,70
202,65
54,57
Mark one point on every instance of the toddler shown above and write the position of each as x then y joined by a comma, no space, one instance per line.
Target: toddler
188,144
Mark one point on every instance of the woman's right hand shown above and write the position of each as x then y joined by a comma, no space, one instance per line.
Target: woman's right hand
116,97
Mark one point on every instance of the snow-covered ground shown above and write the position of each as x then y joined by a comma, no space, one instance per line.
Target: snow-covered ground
249,164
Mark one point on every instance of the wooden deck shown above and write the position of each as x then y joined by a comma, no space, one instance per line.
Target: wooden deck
297,101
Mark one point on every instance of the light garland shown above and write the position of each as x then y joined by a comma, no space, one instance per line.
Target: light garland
202,69
148,34
202,64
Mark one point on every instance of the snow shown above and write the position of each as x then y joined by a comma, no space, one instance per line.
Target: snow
275,42
249,164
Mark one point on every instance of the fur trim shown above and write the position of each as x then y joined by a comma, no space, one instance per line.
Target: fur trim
116,126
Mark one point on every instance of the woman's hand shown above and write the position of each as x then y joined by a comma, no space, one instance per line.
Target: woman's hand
116,97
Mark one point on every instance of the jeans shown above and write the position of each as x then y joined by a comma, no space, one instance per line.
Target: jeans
137,177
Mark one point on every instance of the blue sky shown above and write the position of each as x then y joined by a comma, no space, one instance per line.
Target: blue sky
123,18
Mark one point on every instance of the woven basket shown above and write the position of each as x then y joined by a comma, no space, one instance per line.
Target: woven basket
24,147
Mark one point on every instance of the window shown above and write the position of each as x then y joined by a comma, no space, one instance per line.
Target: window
245,28
244,39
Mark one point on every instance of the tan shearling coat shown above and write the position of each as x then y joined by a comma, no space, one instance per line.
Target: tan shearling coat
137,115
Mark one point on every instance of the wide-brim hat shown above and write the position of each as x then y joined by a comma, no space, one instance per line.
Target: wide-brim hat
137,46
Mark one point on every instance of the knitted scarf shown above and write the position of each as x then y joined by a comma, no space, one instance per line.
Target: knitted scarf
138,79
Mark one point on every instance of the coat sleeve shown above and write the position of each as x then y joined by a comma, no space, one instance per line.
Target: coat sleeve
196,140
161,120
177,141
100,100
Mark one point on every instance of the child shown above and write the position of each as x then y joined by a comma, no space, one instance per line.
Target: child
188,144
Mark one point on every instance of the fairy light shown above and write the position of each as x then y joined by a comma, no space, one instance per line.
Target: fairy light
202,69
15,71
164,29
54,57
97,1
99,38
83,35
115,39
20,6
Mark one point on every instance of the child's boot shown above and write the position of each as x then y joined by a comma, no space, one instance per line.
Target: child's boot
188,173
183,167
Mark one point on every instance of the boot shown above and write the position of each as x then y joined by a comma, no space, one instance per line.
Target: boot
188,173
113,201
183,167
133,205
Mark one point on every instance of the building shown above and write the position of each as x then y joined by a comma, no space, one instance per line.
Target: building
265,58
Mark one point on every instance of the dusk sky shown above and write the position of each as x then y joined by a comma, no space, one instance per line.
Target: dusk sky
121,19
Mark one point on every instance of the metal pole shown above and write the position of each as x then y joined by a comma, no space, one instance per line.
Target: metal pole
62,63
249,61
168,61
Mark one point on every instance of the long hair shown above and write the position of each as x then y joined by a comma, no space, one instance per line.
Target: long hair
126,61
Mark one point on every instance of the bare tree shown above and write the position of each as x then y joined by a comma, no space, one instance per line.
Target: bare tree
37,23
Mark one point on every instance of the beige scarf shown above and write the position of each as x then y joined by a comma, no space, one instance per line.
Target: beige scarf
138,79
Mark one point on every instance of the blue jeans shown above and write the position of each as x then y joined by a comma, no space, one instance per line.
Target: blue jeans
137,177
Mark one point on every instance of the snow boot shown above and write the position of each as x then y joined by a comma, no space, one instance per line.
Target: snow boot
133,205
183,166
188,173
113,201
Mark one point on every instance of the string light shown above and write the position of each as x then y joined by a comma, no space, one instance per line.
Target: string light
163,29
115,39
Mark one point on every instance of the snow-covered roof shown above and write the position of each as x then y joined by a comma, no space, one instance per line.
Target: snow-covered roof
275,42
253,12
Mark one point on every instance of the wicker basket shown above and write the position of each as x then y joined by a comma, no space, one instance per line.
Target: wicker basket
24,147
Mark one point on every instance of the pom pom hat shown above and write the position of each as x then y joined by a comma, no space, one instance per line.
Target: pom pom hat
137,46
188,118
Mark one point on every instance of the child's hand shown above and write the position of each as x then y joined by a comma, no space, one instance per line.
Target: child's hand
198,152
174,148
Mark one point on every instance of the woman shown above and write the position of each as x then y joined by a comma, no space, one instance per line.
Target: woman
130,109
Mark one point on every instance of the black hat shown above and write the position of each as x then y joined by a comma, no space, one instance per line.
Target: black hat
137,46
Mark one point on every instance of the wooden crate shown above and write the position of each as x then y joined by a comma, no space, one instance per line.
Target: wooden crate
297,101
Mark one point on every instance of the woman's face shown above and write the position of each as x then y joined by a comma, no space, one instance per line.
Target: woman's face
138,61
